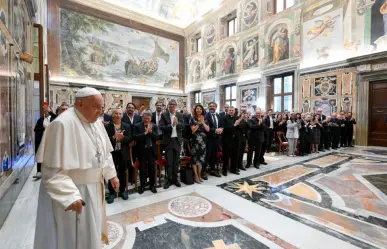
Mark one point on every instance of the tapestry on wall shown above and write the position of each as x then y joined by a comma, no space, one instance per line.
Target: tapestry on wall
115,53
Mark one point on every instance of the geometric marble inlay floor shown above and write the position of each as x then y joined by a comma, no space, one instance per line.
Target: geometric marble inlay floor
327,200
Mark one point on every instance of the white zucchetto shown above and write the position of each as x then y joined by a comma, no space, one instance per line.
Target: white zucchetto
86,92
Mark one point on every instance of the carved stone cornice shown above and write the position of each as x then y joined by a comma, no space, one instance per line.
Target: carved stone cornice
368,59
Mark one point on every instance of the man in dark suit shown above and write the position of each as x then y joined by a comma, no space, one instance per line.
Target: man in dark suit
156,116
222,114
230,141
145,134
242,133
349,122
256,140
41,125
172,125
187,134
120,135
215,122
131,119
323,136
269,123
334,126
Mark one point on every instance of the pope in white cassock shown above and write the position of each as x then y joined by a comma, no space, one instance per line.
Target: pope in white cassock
75,156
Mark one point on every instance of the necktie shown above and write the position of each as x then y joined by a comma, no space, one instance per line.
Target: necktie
215,123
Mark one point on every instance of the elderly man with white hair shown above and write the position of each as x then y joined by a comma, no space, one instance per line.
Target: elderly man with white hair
75,156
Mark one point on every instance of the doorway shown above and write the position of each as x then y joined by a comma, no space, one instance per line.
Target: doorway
141,101
377,132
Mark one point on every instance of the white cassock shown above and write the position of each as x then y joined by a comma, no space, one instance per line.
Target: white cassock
71,171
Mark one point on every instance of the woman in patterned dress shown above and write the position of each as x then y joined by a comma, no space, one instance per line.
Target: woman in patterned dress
199,127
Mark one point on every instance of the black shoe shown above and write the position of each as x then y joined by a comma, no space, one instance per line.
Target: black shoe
204,177
153,189
351,146
124,196
244,169
225,173
235,173
256,166
167,185
248,166
264,163
110,199
177,184
141,190
216,174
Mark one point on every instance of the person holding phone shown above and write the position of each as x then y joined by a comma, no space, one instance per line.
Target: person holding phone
120,135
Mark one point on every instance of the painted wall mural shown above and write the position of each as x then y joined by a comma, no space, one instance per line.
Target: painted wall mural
250,53
209,35
249,14
196,72
116,53
323,33
210,70
19,24
228,61
379,24
279,44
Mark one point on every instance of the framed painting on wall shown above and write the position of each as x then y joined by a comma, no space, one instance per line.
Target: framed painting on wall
248,99
208,98
111,52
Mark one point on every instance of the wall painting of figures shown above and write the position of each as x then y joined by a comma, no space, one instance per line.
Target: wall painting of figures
250,53
378,21
210,70
115,53
249,97
278,44
228,61
5,110
323,33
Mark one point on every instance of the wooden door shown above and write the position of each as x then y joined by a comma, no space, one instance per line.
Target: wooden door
139,101
377,132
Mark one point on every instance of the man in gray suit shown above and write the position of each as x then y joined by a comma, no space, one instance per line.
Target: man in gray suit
172,125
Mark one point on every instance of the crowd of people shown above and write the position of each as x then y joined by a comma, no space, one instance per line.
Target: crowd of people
208,138
80,148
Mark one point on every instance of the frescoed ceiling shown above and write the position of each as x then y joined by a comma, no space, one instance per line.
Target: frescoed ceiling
180,13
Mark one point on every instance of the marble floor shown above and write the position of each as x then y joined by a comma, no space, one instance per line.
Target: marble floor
335,199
